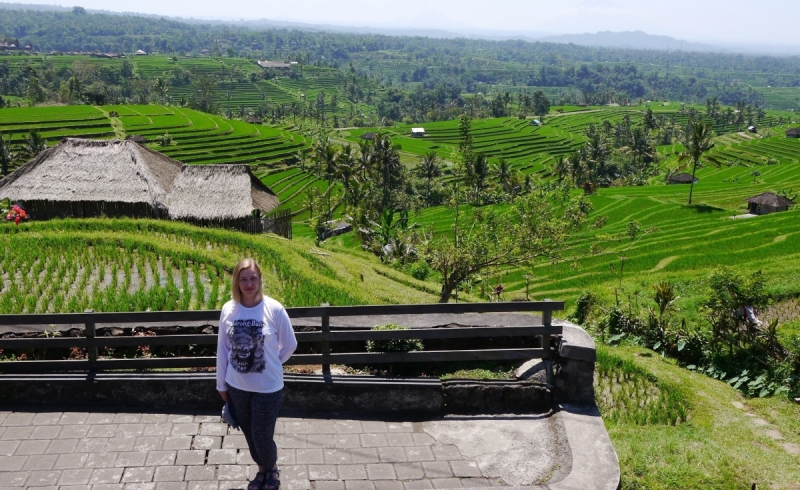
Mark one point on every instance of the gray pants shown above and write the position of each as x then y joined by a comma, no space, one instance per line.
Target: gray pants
256,414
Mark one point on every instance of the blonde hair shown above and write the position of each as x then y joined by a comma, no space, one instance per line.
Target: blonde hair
242,265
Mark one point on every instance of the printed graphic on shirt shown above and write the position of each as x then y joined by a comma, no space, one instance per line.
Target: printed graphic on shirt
247,346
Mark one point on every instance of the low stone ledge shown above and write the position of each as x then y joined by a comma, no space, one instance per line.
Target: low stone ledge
364,394
576,343
469,396
573,369
303,393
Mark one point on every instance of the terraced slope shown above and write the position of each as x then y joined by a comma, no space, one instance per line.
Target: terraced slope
55,123
138,265
200,138
676,242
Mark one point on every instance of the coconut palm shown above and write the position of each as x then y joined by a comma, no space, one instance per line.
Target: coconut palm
345,171
561,167
34,144
480,171
429,169
162,87
7,157
697,139
503,172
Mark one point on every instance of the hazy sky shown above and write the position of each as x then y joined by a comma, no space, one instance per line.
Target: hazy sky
731,21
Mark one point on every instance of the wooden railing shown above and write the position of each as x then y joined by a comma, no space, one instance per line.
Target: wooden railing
93,364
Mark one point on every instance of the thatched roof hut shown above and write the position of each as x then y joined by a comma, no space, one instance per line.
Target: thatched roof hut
219,192
79,175
85,178
767,202
683,178
793,133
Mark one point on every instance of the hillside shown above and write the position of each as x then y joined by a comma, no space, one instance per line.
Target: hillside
631,40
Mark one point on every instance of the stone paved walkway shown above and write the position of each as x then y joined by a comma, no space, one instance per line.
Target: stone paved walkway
103,450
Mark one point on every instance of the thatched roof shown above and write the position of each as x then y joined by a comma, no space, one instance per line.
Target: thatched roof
793,132
683,178
770,199
86,170
136,138
213,192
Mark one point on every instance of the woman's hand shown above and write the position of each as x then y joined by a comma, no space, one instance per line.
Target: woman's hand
224,395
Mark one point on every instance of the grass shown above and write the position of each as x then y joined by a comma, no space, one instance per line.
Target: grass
717,447
132,265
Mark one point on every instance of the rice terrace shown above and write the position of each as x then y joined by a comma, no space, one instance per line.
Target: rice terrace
653,192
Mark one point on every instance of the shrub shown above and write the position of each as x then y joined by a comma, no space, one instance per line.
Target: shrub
395,345
419,270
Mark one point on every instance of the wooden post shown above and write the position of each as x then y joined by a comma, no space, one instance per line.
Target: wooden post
547,321
326,343
91,351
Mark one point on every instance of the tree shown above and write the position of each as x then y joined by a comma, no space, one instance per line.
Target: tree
75,88
302,156
34,144
479,174
36,94
537,225
162,87
346,172
203,94
7,157
541,105
389,171
502,171
429,169
697,139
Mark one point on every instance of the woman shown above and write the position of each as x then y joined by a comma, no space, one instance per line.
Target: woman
255,339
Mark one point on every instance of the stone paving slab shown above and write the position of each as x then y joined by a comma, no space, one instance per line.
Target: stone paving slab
102,449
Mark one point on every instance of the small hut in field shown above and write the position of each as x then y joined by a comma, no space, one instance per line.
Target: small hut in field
793,133
683,178
767,203
221,195
86,178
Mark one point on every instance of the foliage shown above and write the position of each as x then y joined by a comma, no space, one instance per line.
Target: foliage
537,225
394,345
697,139
733,348
164,140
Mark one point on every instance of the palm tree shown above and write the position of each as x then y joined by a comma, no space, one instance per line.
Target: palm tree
388,167
503,171
480,171
561,167
302,157
346,171
162,87
34,144
365,160
6,156
597,152
429,169
697,139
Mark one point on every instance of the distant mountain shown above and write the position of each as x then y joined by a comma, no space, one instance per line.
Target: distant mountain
631,40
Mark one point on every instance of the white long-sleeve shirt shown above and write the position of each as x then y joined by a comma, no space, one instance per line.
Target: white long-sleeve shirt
253,344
